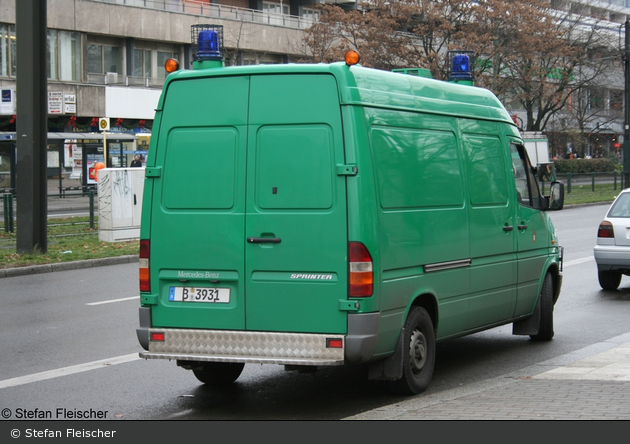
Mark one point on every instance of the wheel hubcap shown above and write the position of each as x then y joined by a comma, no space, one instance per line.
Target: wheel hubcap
418,351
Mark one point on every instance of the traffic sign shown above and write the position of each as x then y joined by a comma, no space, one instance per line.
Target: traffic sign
103,123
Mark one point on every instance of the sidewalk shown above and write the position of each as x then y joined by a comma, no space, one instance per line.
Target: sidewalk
589,384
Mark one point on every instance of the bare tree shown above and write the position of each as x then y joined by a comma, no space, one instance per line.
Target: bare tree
526,52
537,54
321,40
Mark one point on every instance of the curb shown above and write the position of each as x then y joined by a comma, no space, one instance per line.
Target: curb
64,266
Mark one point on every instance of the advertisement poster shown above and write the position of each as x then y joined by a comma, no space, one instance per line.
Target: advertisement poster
55,102
92,160
53,159
77,162
68,158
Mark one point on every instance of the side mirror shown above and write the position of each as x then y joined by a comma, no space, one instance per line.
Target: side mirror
556,196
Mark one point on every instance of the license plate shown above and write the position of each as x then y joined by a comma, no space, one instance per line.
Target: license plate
199,294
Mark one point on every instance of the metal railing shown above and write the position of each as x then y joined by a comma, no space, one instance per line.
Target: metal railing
9,215
120,79
593,179
7,206
220,11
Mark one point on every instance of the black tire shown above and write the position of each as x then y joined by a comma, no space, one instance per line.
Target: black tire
609,280
219,373
418,353
545,299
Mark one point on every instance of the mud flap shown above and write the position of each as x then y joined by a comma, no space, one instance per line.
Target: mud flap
391,368
530,325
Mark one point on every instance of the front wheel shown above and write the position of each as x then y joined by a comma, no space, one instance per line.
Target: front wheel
218,373
545,300
418,353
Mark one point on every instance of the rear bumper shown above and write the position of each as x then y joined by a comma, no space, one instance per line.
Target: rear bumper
245,346
612,257
261,347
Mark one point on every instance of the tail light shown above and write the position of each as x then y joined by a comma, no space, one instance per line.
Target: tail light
361,274
145,275
606,230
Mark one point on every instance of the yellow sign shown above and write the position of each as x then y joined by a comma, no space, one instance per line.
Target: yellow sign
103,123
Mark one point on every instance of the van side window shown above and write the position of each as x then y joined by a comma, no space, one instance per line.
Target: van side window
417,168
526,185
488,181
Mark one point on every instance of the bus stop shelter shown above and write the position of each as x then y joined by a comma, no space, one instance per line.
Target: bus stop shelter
71,158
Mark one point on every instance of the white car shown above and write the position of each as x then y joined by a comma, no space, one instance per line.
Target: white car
612,252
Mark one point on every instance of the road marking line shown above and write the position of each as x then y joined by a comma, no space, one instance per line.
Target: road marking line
37,377
579,261
113,300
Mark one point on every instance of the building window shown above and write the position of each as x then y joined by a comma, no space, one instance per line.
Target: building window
616,100
310,14
274,12
596,98
7,46
141,63
103,59
162,57
276,8
64,55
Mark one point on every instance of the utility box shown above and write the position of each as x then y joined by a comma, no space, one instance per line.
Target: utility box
537,147
119,203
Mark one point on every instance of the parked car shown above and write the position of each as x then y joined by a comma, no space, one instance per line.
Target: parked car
612,252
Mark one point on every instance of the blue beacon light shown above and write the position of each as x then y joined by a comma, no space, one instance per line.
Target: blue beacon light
208,45
461,67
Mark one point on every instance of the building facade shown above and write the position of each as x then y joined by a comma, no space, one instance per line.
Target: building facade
105,57
106,60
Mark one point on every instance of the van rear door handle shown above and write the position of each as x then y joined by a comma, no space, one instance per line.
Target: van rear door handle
264,240
508,228
522,227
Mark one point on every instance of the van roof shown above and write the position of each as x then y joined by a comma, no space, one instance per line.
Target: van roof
372,87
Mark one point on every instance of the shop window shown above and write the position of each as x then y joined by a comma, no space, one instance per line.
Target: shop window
7,48
64,55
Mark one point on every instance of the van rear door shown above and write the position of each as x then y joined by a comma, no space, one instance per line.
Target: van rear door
197,221
296,267
247,200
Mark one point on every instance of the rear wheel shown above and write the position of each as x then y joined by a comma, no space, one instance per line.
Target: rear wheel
545,329
418,353
609,280
218,373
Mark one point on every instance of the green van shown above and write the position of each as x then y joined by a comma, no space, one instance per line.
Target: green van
331,214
